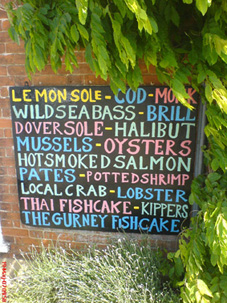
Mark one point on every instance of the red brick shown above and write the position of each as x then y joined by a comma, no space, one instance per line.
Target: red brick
6,223
19,58
27,241
65,237
6,59
144,70
5,24
6,197
3,14
13,189
52,80
15,250
92,80
36,234
8,133
4,92
80,246
49,71
3,2
64,244
13,47
5,142
1,133
83,69
4,189
6,113
75,80
3,170
6,206
21,81
4,37
15,232
2,151
101,246
80,56
6,180
3,71
2,48
51,235
150,80
4,102
47,242
16,70
11,171
15,206
17,223
5,122
14,216
6,162
7,81
10,152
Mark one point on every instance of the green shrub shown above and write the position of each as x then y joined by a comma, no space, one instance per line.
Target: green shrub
124,272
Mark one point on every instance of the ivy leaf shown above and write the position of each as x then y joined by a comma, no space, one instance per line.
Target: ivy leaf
82,6
223,283
202,74
129,50
213,177
141,16
83,32
193,56
180,92
172,14
116,83
150,57
203,288
125,50
121,7
193,198
220,95
215,164
134,78
154,24
13,35
38,57
169,60
74,33
208,93
175,16
88,57
203,5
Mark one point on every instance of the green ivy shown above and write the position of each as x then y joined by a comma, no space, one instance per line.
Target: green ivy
186,42
199,267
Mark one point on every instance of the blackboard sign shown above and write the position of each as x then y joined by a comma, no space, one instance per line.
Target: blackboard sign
91,160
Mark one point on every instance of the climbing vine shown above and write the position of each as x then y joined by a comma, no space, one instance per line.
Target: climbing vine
186,41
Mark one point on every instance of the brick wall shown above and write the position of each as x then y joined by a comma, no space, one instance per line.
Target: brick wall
12,73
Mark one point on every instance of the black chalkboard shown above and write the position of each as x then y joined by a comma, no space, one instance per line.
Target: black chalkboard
89,160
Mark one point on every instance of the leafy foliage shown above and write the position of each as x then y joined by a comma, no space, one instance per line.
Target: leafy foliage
202,247
186,41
